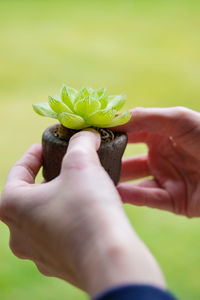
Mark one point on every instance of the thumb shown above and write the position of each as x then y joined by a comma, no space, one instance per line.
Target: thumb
82,150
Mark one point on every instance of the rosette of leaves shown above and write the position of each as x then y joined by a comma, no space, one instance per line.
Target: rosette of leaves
85,108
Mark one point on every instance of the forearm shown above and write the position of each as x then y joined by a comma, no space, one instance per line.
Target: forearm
117,256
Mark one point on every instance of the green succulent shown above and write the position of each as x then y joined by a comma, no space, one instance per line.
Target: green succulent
84,108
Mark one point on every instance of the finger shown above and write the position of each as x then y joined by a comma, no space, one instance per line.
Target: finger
135,167
142,196
138,137
83,172
82,150
164,121
149,183
26,169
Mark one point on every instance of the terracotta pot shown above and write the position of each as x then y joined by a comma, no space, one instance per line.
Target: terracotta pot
54,148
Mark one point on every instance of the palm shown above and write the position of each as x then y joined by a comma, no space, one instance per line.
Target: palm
177,172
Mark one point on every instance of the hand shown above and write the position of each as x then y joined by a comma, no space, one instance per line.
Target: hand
173,138
74,227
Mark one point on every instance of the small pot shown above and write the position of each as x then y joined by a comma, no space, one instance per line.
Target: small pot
54,149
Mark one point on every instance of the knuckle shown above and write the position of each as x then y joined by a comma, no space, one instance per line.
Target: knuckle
8,203
16,249
79,152
43,270
80,159
181,111
185,121
75,160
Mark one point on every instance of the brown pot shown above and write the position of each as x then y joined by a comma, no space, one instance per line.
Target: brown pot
54,148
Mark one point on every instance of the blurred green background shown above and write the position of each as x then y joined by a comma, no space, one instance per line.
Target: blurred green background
148,49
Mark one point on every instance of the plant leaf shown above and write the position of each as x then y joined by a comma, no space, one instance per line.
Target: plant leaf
88,107
67,95
101,117
119,120
72,121
82,94
43,109
116,102
58,106
102,97
87,104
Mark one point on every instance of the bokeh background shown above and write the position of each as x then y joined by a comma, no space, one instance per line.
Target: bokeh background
149,50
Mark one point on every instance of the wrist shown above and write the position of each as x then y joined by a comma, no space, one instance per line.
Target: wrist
108,267
116,257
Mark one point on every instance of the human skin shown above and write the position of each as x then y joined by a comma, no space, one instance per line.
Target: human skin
173,160
74,226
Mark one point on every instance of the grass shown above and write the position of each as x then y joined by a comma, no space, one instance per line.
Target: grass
148,49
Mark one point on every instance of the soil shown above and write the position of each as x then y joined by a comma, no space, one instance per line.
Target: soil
64,133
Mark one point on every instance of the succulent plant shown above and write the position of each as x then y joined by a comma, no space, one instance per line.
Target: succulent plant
84,108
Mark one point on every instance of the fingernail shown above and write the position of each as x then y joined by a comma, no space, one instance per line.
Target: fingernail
90,129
